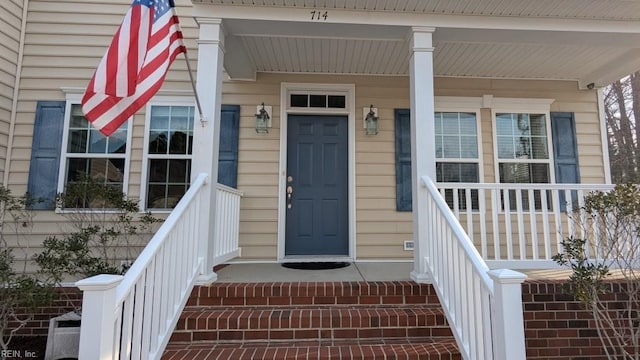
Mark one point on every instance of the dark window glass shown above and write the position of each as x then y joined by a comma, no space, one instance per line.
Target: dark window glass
336,101
299,100
318,101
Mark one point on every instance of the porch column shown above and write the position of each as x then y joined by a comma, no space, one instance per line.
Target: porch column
206,133
423,152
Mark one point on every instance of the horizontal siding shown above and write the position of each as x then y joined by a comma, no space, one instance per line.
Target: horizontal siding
62,51
10,25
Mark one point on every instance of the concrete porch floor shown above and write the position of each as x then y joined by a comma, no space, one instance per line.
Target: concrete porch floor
358,271
275,272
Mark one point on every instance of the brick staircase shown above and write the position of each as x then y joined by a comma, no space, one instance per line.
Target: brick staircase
314,320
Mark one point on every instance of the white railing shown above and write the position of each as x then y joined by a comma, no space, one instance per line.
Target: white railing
483,307
133,316
227,224
518,225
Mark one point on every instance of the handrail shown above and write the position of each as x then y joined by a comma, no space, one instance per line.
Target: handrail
465,242
481,306
146,256
133,316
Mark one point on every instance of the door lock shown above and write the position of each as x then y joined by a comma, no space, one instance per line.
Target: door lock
289,195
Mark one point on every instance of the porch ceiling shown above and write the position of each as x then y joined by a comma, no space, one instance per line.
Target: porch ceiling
589,41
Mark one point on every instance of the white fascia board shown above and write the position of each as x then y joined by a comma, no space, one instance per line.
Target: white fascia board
343,16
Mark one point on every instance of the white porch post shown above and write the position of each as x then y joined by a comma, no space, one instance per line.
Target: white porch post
507,318
206,134
97,330
423,151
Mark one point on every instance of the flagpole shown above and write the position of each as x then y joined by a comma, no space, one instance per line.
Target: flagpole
203,121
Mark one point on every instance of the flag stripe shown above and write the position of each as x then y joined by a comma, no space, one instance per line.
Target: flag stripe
135,65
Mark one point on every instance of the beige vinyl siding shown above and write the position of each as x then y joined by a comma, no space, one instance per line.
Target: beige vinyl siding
66,39
64,43
10,27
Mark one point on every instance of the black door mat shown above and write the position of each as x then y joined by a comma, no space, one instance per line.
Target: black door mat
316,265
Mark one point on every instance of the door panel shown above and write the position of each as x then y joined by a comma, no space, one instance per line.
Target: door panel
317,220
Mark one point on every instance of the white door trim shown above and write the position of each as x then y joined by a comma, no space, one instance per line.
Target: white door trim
349,91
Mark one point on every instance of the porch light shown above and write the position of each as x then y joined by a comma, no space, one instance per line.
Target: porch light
262,120
371,120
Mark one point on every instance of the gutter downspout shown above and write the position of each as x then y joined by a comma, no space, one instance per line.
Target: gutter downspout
16,90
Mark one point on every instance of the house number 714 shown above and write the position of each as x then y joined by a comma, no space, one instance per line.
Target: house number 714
319,15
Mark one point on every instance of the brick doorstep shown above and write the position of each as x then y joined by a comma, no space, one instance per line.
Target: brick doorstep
421,348
381,320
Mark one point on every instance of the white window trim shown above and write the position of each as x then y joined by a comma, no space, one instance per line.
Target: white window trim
460,104
74,98
144,171
525,106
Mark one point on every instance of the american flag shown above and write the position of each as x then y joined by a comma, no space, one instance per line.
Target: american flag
135,65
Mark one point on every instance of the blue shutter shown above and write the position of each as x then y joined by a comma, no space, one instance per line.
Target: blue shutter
228,153
403,159
45,152
565,151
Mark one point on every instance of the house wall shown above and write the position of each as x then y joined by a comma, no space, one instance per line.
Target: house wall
65,40
10,28
381,230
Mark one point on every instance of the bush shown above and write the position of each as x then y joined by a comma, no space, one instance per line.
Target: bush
106,231
609,246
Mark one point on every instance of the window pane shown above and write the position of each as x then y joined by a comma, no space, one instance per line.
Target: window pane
158,170
77,141
450,123
457,172
538,125
178,143
468,147
179,171
156,196
158,142
117,142
438,123
468,124
299,100
451,147
318,101
103,170
97,142
160,117
524,173
504,124
539,148
505,148
336,101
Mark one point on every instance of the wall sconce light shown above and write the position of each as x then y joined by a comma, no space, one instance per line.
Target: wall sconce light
263,120
370,116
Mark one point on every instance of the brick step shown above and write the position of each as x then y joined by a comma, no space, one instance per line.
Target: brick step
408,349
312,293
302,323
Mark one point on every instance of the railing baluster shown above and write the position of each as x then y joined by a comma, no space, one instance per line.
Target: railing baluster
520,218
507,222
545,223
483,226
533,222
495,208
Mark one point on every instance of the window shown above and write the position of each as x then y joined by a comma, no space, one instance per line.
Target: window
169,146
86,152
523,151
456,140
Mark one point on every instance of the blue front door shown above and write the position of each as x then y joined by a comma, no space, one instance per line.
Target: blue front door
317,220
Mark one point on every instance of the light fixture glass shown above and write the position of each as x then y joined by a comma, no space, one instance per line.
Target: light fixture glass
371,122
262,121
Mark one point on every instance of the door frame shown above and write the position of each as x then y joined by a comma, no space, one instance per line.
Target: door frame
342,89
